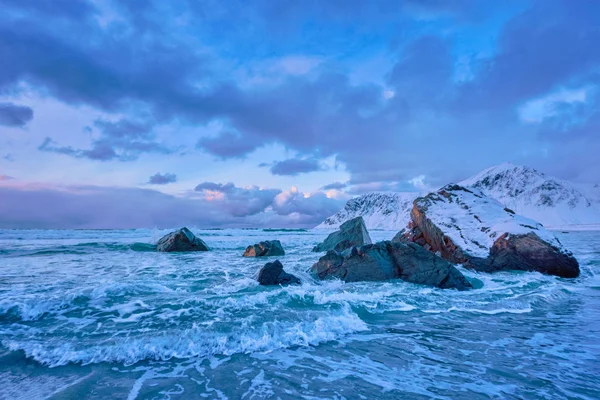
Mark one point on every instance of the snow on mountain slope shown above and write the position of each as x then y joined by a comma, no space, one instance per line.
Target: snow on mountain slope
379,211
553,202
474,221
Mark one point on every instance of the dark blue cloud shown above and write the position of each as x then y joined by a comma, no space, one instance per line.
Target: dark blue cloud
335,185
552,43
227,145
13,115
78,61
216,187
145,64
76,9
121,140
424,71
162,179
295,166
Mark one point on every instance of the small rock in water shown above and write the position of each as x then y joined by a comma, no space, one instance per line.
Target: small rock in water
181,240
273,274
351,233
265,249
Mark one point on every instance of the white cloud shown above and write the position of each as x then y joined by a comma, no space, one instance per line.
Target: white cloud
419,183
536,110
298,65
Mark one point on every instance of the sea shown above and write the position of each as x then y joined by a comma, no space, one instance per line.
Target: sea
97,314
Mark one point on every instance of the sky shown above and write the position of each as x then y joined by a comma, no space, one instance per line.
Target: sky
126,114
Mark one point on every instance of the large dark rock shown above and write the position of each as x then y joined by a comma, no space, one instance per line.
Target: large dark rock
265,249
526,253
388,260
181,240
351,233
273,274
466,227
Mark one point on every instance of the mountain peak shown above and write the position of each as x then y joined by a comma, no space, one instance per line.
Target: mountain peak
504,171
552,201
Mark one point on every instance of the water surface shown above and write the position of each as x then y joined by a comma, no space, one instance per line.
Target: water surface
95,314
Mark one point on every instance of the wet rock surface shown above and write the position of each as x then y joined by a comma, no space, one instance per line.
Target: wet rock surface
265,249
351,233
273,274
181,240
390,260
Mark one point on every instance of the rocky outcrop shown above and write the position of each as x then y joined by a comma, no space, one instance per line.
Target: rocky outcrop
464,226
273,274
181,240
388,260
351,233
265,249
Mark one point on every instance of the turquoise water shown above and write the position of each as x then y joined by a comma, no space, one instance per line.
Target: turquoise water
94,314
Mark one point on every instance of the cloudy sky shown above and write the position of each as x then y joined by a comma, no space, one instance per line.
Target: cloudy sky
274,113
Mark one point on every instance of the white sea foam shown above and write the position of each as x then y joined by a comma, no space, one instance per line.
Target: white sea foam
195,342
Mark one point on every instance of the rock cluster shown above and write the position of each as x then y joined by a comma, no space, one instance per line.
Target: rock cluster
388,260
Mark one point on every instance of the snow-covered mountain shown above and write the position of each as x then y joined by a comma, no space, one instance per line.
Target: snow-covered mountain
379,210
474,221
555,203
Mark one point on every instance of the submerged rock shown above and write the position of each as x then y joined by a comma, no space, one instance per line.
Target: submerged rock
390,260
265,249
181,240
351,233
464,226
273,274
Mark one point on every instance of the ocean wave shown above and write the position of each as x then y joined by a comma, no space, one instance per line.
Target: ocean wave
77,249
194,342
116,246
283,230
33,308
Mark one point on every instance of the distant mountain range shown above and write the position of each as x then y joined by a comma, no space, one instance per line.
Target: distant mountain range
556,203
